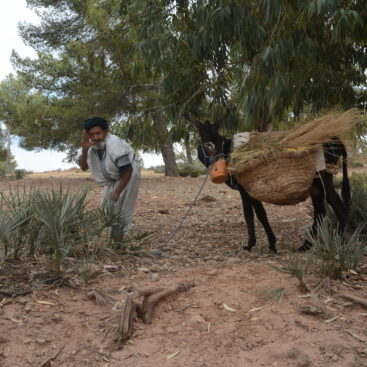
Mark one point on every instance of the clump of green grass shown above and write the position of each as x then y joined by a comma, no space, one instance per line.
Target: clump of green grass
297,266
56,223
336,253
332,255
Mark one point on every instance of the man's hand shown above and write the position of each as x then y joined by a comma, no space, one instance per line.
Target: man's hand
86,142
114,195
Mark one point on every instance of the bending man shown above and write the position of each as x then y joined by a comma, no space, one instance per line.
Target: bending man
113,165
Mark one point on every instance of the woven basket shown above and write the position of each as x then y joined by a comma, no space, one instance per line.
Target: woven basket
282,178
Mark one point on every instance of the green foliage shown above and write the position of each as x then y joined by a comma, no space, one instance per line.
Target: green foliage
332,255
159,169
12,92
358,204
358,208
267,58
20,173
297,266
336,253
17,224
192,170
55,223
355,162
113,217
271,294
142,63
4,174
2,170
63,219
185,169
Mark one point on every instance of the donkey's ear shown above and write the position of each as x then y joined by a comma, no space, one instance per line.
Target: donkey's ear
220,121
193,121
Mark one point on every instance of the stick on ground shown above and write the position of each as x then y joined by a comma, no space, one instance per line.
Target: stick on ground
349,297
47,362
151,296
150,301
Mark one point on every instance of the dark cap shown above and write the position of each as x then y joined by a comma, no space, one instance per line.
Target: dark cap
95,121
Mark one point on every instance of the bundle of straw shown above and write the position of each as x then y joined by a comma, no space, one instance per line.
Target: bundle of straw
301,138
279,167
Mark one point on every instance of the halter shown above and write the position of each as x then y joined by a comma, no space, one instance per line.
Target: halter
213,159
210,158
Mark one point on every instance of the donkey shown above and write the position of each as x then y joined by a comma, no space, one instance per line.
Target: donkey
213,145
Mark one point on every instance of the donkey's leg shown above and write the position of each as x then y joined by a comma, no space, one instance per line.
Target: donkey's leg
333,198
263,218
248,213
317,197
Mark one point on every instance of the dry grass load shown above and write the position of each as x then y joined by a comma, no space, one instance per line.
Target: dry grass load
278,167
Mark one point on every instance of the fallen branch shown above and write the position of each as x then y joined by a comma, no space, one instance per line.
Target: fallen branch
349,297
150,301
353,299
14,292
351,333
47,362
151,296
130,311
126,322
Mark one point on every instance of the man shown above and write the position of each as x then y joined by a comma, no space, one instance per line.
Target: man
113,165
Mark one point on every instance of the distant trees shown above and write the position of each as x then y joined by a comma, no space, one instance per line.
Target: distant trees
142,63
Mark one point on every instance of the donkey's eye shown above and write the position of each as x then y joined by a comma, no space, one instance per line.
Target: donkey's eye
209,147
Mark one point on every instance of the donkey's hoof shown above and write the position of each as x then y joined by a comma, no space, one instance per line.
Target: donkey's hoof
305,247
273,248
247,248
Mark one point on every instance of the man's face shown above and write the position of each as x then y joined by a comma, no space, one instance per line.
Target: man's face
97,135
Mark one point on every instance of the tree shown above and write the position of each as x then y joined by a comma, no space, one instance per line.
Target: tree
268,57
97,69
142,63
12,93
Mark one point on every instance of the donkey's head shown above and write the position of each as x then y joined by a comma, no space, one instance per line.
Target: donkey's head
213,149
213,145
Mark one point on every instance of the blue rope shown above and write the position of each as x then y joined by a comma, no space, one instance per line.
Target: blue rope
210,158
179,225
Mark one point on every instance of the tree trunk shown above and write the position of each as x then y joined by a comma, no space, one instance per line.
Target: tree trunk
9,165
164,141
188,151
169,160
264,119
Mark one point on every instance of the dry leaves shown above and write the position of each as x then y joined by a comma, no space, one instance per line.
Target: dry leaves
230,309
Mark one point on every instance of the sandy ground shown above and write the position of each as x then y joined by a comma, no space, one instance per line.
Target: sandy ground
229,317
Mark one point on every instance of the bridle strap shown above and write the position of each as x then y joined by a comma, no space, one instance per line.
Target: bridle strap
210,158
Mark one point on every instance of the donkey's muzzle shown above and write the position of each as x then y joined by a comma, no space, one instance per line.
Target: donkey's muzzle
219,172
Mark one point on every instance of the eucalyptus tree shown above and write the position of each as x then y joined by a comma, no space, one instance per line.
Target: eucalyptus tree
269,57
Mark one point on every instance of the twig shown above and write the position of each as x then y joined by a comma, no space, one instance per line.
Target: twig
100,297
359,338
14,292
47,362
130,311
151,296
150,301
126,322
349,297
